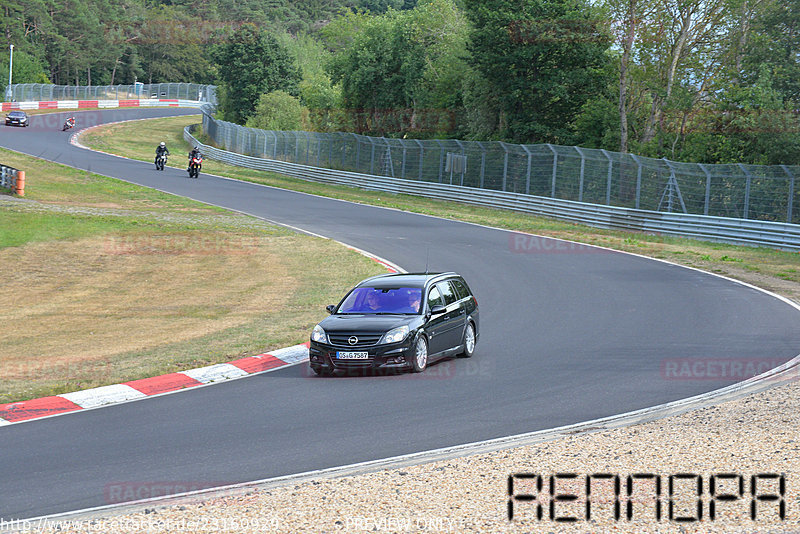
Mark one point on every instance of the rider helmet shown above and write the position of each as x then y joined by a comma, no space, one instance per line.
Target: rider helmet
163,143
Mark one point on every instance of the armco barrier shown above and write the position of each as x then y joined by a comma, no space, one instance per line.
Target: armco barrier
91,104
729,230
11,178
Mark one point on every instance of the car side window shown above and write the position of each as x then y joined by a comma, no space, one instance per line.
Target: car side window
461,290
434,298
447,292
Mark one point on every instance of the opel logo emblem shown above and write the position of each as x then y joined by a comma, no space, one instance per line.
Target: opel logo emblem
352,340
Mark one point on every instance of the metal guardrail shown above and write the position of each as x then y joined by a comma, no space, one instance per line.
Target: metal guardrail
28,92
8,177
729,230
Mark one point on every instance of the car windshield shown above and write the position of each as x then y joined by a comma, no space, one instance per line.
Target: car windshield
16,114
395,300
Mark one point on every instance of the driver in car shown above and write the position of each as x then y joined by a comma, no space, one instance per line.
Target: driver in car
373,302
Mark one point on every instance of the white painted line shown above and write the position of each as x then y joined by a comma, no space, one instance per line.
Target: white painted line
92,398
214,373
295,354
4,422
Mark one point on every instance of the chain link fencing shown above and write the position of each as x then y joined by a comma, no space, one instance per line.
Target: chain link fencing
29,92
594,176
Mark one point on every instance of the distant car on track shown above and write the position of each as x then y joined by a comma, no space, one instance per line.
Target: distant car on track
17,118
397,321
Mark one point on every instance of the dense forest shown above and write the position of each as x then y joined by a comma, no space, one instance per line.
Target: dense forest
694,80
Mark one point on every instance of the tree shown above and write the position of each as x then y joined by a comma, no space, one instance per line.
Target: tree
169,47
26,70
379,73
401,73
279,110
776,46
252,63
543,58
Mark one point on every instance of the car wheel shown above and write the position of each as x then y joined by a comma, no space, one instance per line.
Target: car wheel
469,342
420,360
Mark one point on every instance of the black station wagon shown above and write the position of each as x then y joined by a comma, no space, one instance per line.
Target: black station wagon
397,321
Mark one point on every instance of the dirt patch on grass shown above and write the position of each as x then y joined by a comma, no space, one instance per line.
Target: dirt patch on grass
81,303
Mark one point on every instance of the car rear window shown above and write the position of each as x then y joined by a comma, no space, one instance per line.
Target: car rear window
447,292
396,300
461,289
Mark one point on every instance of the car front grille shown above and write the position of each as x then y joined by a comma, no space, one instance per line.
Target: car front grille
364,340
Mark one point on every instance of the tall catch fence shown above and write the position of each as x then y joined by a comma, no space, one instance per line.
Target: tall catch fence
28,92
759,192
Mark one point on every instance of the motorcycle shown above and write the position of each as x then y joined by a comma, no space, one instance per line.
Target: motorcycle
161,161
194,166
68,124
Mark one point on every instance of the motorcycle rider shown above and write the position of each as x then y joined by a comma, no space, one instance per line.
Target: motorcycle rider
162,150
195,152
69,123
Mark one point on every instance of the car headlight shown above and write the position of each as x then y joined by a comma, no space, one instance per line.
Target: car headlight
318,335
395,335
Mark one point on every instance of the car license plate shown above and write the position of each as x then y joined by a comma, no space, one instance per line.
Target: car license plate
352,355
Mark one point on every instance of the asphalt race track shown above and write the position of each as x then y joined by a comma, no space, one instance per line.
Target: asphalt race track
568,334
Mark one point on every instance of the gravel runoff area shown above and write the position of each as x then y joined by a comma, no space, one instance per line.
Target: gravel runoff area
753,439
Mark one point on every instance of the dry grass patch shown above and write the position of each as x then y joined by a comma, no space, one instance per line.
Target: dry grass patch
106,309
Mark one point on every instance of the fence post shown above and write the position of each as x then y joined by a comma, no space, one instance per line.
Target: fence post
358,152
371,156
791,193
638,180
483,161
608,185
421,157
505,165
441,159
708,188
528,173
463,153
580,180
746,214
555,170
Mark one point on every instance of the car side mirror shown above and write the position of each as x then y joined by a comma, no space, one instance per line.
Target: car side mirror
331,308
438,310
